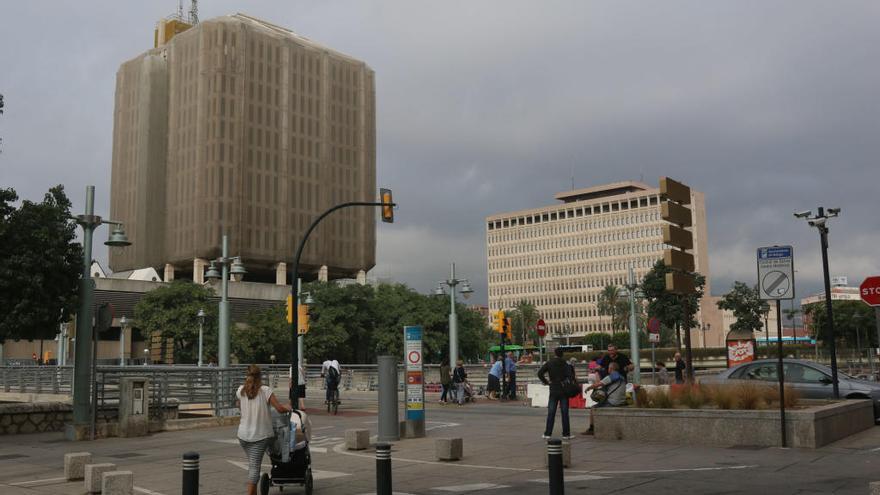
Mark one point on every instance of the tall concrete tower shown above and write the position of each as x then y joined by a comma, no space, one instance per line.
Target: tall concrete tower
237,126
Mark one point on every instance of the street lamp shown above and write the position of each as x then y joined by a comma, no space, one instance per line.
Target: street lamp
706,328
466,291
123,326
229,266
819,221
765,310
201,316
83,348
632,291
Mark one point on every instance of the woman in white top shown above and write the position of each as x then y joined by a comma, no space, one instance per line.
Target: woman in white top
255,428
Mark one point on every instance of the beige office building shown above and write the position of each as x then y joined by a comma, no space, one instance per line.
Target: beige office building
560,257
237,126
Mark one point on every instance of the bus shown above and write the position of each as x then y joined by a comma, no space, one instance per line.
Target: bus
575,348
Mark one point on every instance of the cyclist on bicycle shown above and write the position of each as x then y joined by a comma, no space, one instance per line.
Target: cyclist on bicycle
331,374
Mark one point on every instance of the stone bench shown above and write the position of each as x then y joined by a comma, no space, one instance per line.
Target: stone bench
449,449
566,454
117,483
75,465
94,474
357,439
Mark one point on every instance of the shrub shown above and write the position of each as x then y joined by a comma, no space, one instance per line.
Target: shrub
692,397
659,398
642,396
792,396
723,396
751,395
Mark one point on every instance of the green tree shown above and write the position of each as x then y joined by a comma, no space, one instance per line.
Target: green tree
266,333
524,317
610,304
853,322
171,312
746,305
666,307
40,265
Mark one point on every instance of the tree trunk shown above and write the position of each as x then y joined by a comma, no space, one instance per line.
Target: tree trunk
678,337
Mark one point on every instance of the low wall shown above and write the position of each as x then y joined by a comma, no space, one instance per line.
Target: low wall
817,424
17,418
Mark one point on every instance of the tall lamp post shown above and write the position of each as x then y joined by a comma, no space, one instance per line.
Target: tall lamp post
201,316
123,326
466,291
765,310
819,221
632,291
83,346
706,328
229,266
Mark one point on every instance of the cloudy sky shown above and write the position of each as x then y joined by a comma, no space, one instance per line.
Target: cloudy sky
491,106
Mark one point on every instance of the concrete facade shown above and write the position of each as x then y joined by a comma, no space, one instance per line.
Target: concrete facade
561,257
240,127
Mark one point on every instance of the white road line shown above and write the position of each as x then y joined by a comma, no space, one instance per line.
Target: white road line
716,468
322,428
37,482
316,474
340,449
875,449
470,488
581,477
146,492
233,441
318,450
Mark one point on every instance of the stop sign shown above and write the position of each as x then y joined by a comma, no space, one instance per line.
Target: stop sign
870,291
541,328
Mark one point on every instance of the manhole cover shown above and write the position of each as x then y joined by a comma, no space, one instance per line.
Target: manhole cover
7,457
125,455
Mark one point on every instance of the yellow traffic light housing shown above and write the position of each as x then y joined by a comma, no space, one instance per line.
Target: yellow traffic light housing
303,320
387,205
289,309
508,329
498,322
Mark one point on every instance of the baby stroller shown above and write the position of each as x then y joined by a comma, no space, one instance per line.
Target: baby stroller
289,453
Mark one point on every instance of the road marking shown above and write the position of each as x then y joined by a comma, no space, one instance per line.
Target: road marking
318,450
716,468
581,477
233,441
470,488
316,474
340,449
145,491
322,428
37,482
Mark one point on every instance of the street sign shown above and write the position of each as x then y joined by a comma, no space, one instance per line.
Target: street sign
776,272
654,325
541,328
415,393
870,291
654,338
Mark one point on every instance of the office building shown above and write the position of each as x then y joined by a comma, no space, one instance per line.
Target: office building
561,257
237,126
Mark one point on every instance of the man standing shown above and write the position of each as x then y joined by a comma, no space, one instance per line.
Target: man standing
624,365
494,380
679,368
559,371
510,366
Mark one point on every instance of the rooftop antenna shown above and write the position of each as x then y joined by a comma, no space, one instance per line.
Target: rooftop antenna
180,9
194,12
572,177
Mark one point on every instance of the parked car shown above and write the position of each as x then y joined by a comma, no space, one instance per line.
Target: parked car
812,380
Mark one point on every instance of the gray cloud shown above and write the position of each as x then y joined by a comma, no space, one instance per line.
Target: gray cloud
488,106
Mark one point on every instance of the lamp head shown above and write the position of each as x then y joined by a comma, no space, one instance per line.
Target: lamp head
439,291
213,273
118,237
466,289
237,267
201,314
123,322
309,299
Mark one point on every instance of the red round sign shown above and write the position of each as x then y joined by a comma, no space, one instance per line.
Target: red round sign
541,328
870,291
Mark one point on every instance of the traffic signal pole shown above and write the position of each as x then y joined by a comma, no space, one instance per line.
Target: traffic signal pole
294,289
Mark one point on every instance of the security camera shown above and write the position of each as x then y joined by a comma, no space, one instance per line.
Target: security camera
834,211
802,214
817,222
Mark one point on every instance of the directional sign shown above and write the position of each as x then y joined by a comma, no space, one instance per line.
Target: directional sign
776,272
541,328
870,291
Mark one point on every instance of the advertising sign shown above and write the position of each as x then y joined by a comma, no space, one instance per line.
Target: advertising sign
415,392
776,272
739,352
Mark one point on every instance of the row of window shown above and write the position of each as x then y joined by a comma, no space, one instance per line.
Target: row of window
580,211
605,222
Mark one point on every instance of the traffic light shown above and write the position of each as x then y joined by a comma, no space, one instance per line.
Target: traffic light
289,309
303,322
508,329
387,205
498,322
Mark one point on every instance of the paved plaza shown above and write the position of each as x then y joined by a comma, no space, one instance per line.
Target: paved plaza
503,453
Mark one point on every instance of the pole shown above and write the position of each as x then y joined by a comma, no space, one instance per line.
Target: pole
633,331
453,319
503,370
383,469
83,346
780,371
554,466
389,425
122,345
877,318
223,337
829,310
686,327
190,473
300,339
653,363
294,324
201,337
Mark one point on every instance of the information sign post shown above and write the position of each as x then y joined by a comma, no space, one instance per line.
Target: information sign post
415,383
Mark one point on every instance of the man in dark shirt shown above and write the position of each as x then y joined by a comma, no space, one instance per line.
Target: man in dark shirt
679,368
624,365
558,370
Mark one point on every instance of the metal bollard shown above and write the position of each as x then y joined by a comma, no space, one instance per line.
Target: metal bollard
190,473
383,469
554,466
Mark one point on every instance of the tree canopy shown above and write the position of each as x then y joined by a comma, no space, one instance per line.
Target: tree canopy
171,312
40,265
668,307
611,303
746,305
854,322
524,316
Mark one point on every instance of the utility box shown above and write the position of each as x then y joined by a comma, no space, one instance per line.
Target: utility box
134,406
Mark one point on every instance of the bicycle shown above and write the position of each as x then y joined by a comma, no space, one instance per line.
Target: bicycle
333,402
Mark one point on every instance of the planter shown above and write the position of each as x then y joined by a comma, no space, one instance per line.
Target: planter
817,424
